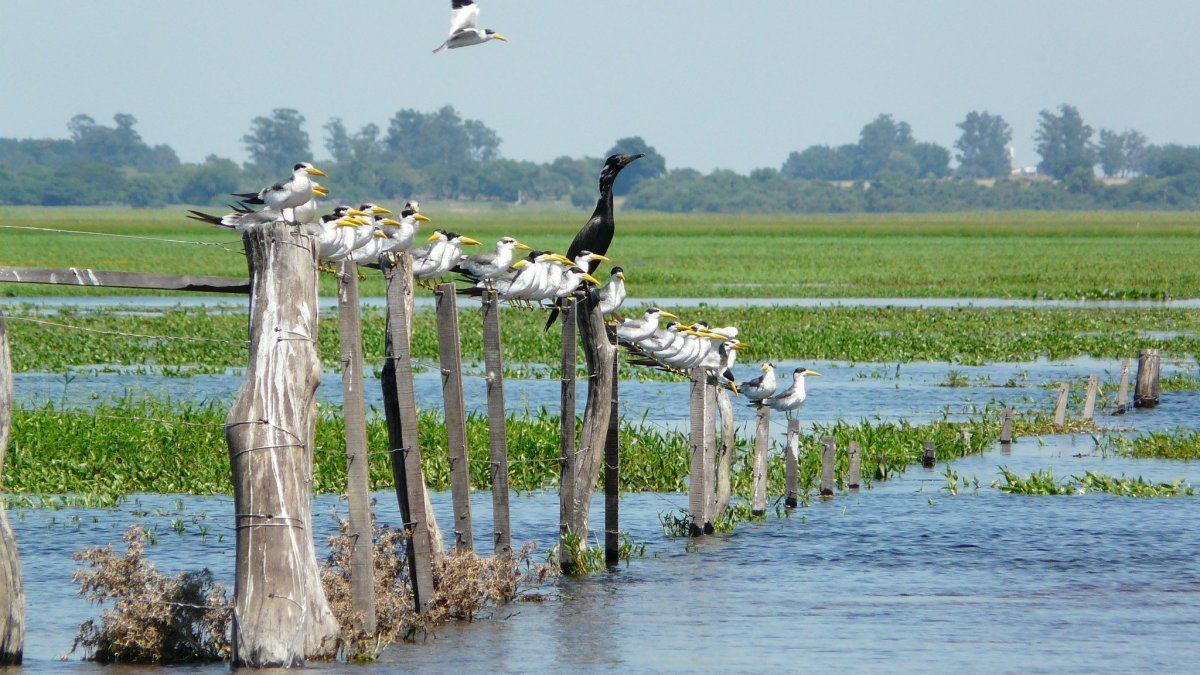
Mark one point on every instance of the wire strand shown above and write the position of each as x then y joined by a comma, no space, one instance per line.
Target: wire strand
221,245
184,338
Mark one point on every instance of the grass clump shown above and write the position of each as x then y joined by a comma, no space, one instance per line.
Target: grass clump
1044,483
1173,444
154,617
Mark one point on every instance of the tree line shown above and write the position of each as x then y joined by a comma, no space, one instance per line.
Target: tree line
441,155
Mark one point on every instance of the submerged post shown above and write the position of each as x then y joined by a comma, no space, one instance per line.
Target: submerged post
1123,390
698,499
1089,400
450,359
280,613
358,475
1006,427
828,458
400,408
12,586
1060,405
1146,394
791,465
854,472
497,440
566,439
929,456
762,437
612,468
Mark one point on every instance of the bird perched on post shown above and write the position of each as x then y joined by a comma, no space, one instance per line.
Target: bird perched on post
761,387
286,195
464,27
636,330
793,397
442,253
612,294
487,266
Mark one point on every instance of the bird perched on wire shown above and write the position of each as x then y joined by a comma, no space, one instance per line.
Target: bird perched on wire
761,387
791,398
612,293
286,195
464,27
487,266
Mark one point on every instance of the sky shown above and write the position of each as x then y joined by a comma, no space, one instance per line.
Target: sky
733,84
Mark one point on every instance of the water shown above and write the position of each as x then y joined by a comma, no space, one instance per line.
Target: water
879,579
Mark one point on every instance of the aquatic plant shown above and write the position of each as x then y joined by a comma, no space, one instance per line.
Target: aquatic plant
1171,444
1044,483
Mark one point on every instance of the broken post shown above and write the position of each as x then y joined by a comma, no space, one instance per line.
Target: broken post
450,359
566,428
698,492
762,438
400,408
929,456
1006,427
1060,405
497,440
280,613
12,586
828,458
854,472
1123,390
1146,393
612,468
1089,400
791,465
358,475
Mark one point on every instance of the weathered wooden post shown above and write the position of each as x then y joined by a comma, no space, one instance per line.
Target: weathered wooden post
1146,393
791,465
1089,400
599,355
400,408
854,471
698,491
762,438
612,468
497,440
12,586
1060,405
450,359
1123,390
566,439
723,491
358,475
929,457
710,455
280,613
1006,427
828,457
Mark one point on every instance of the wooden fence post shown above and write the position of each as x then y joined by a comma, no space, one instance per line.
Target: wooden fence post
791,465
612,468
566,476
1123,390
1089,401
497,439
358,474
828,457
698,495
723,491
281,614
400,408
1060,405
710,454
1146,394
450,359
12,586
854,472
762,437
1006,427
929,457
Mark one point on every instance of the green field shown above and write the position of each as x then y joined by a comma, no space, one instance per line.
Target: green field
991,254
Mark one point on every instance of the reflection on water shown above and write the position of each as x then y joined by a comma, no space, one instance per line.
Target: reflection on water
900,575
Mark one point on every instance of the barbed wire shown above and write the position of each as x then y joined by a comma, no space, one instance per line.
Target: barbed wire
184,338
221,245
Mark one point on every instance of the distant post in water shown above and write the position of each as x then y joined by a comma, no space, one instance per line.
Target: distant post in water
1006,427
612,468
698,493
929,457
358,475
497,440
762,437
1146,394
12,587
1060,405
1123,390
450,359
854,473
1089,400
791,465
828,458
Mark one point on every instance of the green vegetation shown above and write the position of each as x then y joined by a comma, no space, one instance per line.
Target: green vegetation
1021,255
1044,483
1173,444
856,334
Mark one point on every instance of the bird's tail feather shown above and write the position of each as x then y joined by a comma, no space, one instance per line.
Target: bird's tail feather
207,218
441,49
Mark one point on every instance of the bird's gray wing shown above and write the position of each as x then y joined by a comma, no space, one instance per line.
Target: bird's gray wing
464,15
277,187
756,383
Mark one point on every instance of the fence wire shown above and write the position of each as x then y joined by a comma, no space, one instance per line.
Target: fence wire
221,245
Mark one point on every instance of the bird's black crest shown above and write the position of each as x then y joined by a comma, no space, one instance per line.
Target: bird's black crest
459,4
298,167
615,270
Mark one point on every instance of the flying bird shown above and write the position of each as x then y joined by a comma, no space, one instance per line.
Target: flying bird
464,27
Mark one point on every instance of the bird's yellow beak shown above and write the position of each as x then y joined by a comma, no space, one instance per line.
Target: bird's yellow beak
390,221
314,171
561,258
735,389
520,264
433,237
591,279
597,256
421,218
320,190
468,241
381,211
620,275
347,222
812,373
764,368
669,315
523,247
741,345
380,234
497,36
356,212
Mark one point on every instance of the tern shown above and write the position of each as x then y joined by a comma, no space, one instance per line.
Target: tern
612,294
443,253
635,330
794,396
288,194
464,27
761,387
487,266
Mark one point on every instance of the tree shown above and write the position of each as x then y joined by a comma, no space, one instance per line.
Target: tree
876,142
204,183
439,138
1112,153
652,165
982,147
822,162
933,161
276,143
1134,146
1064,142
